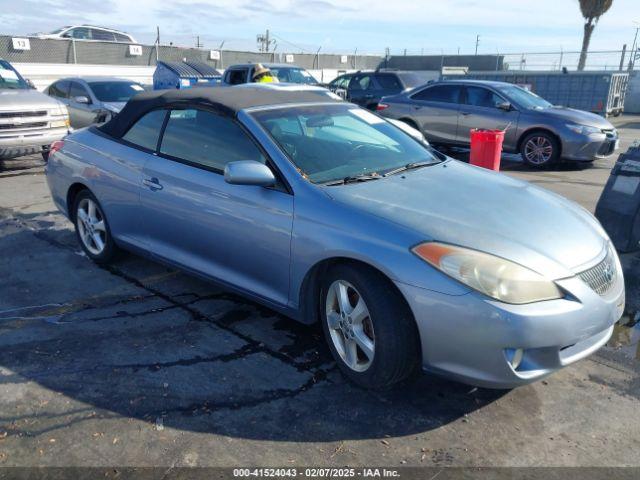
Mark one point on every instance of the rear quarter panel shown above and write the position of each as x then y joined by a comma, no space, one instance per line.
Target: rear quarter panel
110,170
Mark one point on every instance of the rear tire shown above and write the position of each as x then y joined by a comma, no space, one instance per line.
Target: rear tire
368,326
540,149
92,229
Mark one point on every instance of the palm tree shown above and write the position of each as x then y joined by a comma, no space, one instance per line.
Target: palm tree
591,10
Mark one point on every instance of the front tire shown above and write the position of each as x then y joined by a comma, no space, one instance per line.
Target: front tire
369,328
92,229
540,149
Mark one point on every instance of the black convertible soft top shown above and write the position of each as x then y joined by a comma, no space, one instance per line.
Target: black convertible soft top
223,100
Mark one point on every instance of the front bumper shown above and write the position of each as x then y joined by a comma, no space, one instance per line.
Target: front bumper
467,337
587,148
34,142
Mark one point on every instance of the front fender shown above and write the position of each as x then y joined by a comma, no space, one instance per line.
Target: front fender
325,229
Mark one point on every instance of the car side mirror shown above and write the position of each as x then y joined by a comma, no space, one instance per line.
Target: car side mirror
506,106
82,99
249,172
30,83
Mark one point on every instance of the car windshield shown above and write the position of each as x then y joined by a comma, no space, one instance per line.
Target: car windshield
293,75
524,98
9,78
57,30
115,91
328,143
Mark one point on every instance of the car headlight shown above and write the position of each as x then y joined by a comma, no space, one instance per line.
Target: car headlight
583,129
493,276
60,123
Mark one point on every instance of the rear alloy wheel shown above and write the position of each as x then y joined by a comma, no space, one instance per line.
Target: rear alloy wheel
370,330
540,149
92,228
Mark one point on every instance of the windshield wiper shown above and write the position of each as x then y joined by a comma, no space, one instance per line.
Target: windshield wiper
355,178
408,166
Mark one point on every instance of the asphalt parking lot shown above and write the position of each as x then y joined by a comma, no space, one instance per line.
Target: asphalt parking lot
140,365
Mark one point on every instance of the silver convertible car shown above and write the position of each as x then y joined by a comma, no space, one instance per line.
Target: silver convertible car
328,213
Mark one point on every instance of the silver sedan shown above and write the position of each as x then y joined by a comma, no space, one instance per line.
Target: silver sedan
446,112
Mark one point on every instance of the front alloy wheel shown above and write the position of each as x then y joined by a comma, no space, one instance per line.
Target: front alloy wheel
369,328
350,325
540,149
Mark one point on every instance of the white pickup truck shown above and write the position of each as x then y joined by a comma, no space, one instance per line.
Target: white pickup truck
30,121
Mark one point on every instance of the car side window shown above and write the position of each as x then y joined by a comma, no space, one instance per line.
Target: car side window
146,131
122,38
207,140
361,82
482,97
81,33
103,35
77,90
389,82
60,89
237,77
439,93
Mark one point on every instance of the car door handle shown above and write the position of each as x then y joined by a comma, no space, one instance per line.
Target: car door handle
368,96
464,114
152,183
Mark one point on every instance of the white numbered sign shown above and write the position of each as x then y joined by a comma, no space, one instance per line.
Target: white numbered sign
21,44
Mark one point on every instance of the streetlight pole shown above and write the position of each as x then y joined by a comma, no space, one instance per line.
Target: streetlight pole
477,43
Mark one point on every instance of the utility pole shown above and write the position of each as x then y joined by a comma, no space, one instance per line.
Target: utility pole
264,41
477,43
198,44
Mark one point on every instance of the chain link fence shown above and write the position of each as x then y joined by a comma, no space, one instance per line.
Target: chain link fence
607,60
109,53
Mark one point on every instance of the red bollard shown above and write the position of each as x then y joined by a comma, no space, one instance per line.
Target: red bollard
486,148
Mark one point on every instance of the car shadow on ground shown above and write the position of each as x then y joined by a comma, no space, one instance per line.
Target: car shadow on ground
514,163
143,341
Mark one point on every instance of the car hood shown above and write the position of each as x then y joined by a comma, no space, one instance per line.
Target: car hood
579,117
456,203
23,98
114,106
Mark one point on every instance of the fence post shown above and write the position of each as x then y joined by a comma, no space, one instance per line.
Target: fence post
73,47
561,55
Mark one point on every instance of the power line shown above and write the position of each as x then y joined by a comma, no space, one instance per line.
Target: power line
304,50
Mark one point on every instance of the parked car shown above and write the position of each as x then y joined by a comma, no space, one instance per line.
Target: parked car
93,100
286,73
326,212
367,88
89,32
29,120
543,133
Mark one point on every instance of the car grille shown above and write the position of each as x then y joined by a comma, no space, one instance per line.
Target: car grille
602,277
10,126
37,113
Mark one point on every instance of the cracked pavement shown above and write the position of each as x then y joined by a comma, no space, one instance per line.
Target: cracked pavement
140,365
